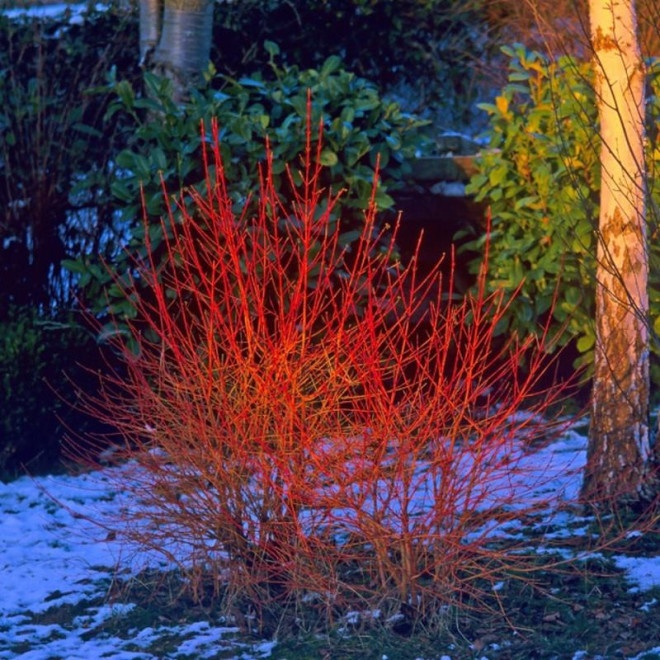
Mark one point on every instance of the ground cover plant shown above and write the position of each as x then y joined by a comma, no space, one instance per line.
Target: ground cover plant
310,428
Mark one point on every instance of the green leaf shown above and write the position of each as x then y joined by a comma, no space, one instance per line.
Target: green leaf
111,331
573,296
271,48
251,82
330,65
125,92
328,158
73,265
126,160
381,152
656,325
84,279
519,76
142,167
87,130
149,104
525,201
159,159
121,190
498,174
383,200
264,121
348,237
586,343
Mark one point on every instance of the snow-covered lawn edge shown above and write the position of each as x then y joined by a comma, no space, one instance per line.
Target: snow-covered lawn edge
51,558
55,561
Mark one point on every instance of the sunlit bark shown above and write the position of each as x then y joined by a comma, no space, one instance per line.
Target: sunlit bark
620,456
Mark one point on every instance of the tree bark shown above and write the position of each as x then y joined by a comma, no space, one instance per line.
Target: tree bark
151,25
620,458
175,39
183,50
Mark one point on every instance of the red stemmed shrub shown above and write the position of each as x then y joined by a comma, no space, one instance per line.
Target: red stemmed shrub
315,428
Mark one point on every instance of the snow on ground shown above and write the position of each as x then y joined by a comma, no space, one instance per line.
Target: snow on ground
642,572
49,556
76,11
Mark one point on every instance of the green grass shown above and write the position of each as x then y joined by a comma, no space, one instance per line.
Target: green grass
587,607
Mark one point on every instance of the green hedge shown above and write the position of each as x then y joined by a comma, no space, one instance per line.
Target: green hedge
540,176
360,128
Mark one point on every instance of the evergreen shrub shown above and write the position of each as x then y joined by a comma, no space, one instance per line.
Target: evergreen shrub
360,129
540,176
429,53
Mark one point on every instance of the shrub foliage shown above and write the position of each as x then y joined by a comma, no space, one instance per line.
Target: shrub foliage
428,52
361,127
541,178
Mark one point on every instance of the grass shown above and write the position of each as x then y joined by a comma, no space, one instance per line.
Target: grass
589,607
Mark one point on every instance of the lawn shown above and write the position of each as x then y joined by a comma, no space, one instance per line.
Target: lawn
71,591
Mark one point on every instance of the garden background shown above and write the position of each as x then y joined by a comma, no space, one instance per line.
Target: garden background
401,468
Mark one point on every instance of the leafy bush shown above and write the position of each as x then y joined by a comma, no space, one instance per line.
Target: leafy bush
34,354
360,129
427,52
540,177
316,449
57,155
52,135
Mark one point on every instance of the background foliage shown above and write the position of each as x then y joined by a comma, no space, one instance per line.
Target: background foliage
62,179
75,139
540,177
360,129
52,135
35,352
430,53
52,139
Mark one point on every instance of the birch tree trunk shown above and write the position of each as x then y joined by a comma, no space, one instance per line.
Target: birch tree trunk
620,458
151,25
175,39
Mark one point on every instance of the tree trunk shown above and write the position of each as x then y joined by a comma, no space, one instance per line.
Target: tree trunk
620,457
175,39
151,25
183,51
